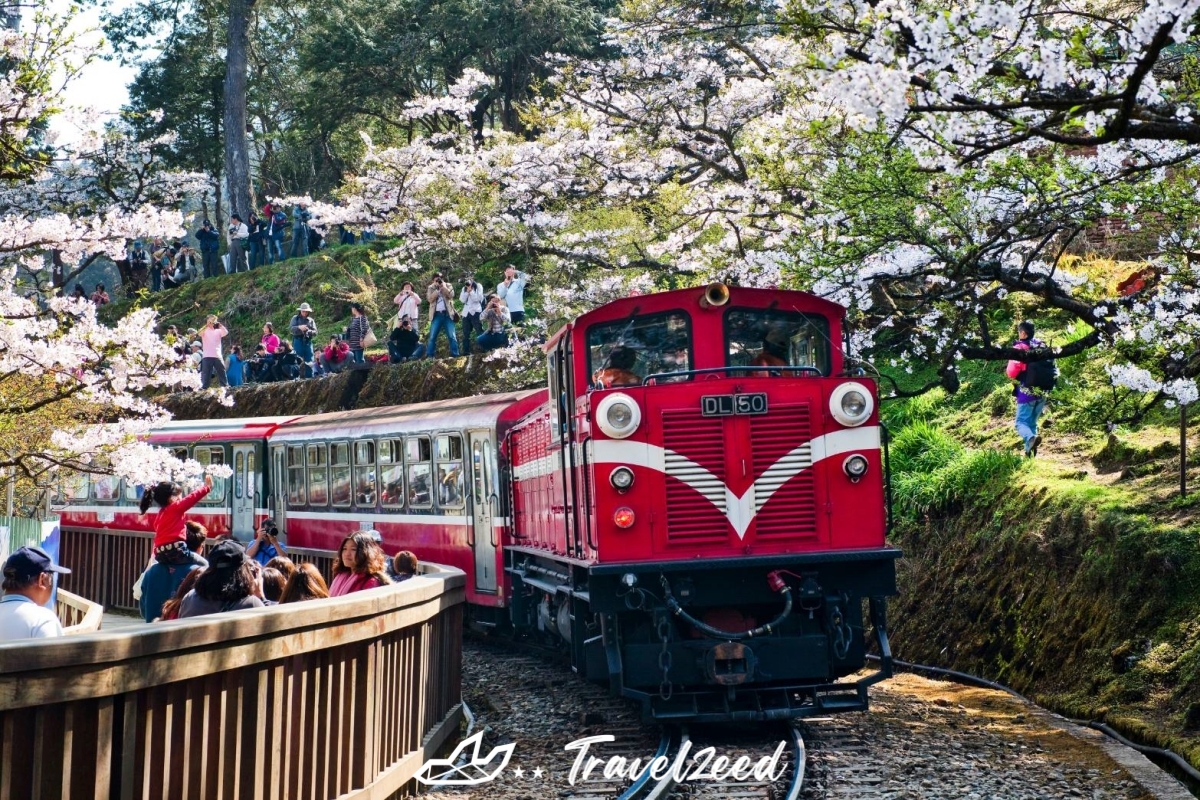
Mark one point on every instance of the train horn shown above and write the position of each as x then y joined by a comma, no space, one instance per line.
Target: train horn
715,294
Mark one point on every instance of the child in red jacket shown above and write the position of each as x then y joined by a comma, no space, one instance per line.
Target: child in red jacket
170,531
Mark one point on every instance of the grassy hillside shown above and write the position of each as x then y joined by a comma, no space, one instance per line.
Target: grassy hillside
329,281
1074,577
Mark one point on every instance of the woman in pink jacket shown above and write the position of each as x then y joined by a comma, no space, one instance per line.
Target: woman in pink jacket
361,565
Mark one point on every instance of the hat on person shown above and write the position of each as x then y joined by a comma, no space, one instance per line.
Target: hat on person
374,535
227,554
304,307
29,562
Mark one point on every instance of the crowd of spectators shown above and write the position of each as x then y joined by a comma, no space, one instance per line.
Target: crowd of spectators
232,577
486,320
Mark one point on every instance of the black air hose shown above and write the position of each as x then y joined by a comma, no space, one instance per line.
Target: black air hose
717,633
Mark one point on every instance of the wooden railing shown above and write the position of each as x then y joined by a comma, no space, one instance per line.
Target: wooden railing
105,564
344,698
77,614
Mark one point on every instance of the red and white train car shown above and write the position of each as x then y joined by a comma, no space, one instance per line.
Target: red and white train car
705,529
234,506
426,476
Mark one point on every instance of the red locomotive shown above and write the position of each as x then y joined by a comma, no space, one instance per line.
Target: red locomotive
696,505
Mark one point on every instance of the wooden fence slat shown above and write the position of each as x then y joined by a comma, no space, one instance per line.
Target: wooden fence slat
341,698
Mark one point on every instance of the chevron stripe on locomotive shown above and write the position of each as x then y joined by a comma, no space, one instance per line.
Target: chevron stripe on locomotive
695,506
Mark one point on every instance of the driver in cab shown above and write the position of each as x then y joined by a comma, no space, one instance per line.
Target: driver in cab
618,369
773,353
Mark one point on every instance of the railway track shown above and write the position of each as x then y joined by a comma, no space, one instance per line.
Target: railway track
707,766
917,743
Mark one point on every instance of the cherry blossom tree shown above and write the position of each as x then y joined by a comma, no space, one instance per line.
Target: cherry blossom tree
74,392
925,167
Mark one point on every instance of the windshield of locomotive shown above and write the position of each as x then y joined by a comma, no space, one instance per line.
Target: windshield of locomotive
624,352
777,338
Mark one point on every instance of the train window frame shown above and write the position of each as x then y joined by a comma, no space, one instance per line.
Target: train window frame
410,464
316,459
395,462
220,485
594,350
239,474
80,482
806,316
336,467
449,439
366,451
111,480
251,475
296,465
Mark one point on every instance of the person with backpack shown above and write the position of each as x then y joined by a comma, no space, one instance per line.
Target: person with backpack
1035,381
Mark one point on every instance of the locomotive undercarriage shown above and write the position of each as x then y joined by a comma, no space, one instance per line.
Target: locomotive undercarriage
751,638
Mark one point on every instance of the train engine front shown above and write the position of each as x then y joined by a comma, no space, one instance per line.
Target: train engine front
700,510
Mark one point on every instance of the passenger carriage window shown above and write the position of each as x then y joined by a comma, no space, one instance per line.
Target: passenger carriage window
477,471
625,352
208,456
239,475
364,474
105,488
72,489
318,475
295,463
417,456
391,473
776,338
251,476
450,471
339,473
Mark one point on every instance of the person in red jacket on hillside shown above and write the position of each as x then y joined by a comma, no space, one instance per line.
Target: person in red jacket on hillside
170,530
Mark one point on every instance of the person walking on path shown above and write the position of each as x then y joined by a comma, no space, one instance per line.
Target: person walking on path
28,587
1035,380
213,362
441,308
512,291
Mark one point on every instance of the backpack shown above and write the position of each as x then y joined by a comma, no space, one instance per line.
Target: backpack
1040,375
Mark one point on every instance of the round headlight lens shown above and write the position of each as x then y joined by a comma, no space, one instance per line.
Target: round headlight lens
621,478
854,403
623,517
851,404
618,415
855,467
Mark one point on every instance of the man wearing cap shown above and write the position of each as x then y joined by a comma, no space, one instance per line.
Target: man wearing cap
28,586
303,331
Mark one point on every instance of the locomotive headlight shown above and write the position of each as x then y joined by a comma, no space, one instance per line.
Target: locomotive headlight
618,415
621,479
851,404
855,467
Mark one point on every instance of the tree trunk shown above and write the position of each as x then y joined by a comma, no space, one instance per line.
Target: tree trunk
237,154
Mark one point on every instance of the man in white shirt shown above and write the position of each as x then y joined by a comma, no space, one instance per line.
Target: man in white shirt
28,586
238,234
512,291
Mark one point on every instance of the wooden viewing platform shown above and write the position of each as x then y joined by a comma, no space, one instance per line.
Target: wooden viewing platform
345,697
